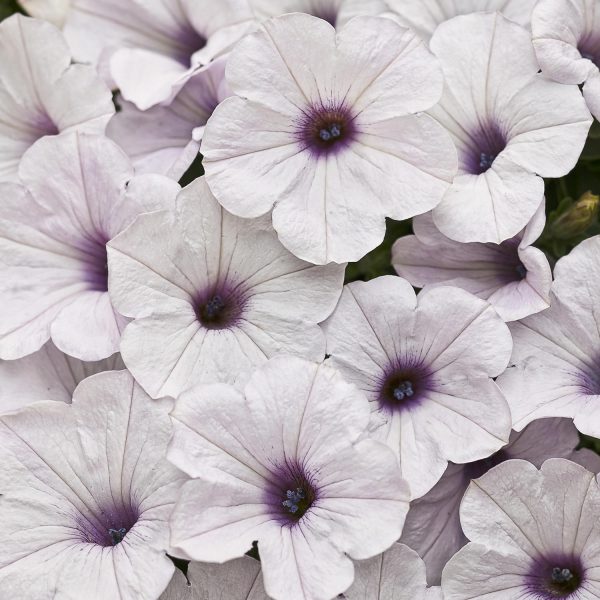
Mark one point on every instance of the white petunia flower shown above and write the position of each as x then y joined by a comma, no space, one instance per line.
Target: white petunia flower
432,526
86,495
152,48
534,534
285,464
511,125
166,139
514,277
397,574
47,374
238,579
77,192
424,16
213,296
335,12
323,129
426,365
41,92
566,38
555,359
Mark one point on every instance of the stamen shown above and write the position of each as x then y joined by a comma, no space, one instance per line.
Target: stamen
117,535
403,390
486,161
332,132
521,271
214,307
293,500
561,575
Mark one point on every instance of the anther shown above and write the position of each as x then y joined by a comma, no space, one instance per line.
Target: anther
403,390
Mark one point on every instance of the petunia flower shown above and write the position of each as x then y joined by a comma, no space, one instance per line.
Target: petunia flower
566,38
151,49
554,365
285,463
426,365
76,192
534,534
86,495
213,296
166,139
335,12
41,92
511,125
47,374
433,527
397,574
424,16
326,133
239,579
514,277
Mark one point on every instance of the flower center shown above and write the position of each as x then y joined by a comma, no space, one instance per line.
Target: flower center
403,390
563,582
556,577
521,271
486,144
219,310
291,493
297,502
402,387
117,535
96,264
589,47
327,14
324,130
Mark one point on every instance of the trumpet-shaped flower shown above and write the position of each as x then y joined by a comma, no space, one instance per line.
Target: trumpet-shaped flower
327,134
426,365
514,277
213,296
511,126
433,527
286,464
166,139
150,49
41,92
554,365
86,495
76,192
566,38
534,534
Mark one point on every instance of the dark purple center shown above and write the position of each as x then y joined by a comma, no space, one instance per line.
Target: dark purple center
221,308
96,264
589,47
486,144
187,43
521,271
326,129
291,493
327,13
556,577
403,386
108,528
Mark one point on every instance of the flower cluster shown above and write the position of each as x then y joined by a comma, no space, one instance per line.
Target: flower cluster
300,300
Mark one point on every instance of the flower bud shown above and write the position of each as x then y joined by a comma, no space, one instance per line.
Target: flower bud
577,218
